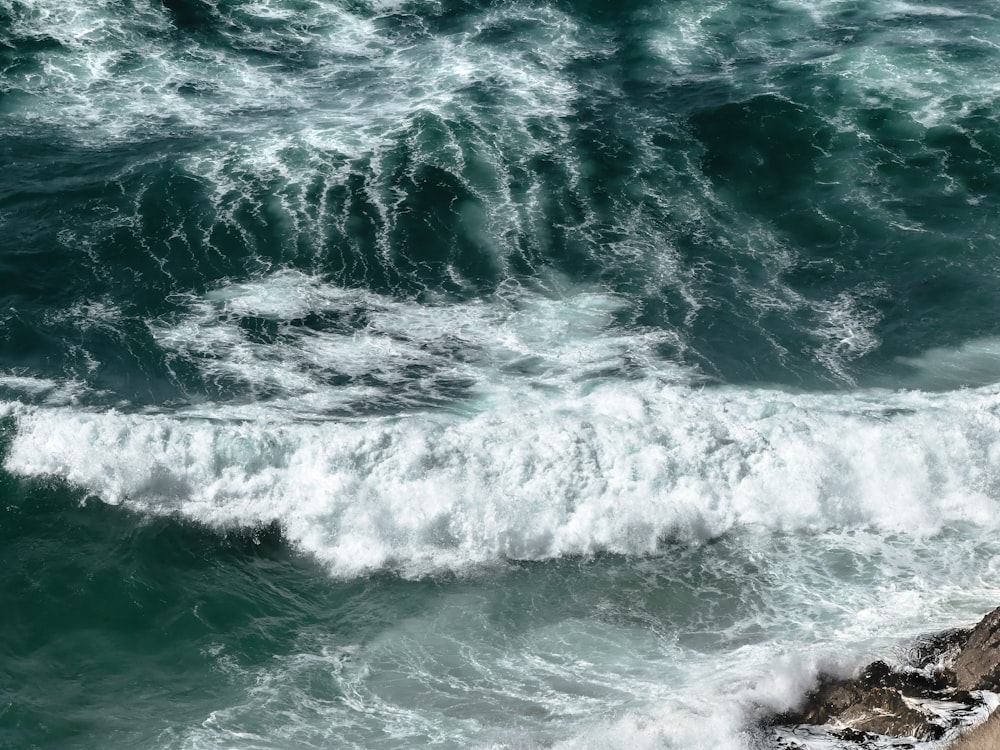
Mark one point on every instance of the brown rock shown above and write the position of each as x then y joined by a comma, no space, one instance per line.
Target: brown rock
879,701
984,737
883,711
977,666
859,705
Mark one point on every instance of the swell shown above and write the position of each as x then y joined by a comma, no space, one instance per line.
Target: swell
781,201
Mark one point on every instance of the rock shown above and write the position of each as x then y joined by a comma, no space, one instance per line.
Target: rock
883,711
986,736
871,703
977,666
884,701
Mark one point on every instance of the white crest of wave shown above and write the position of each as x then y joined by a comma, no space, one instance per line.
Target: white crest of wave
613,467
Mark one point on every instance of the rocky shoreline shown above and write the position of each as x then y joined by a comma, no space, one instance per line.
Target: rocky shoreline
949,678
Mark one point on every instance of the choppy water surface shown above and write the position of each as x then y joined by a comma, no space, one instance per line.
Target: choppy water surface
487,374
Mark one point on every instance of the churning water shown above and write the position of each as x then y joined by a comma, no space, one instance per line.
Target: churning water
487,373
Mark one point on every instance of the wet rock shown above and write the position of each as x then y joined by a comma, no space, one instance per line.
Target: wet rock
874,702
891,702
977,666
884,701
885,712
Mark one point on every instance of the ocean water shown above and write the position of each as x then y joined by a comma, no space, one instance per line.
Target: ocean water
515,374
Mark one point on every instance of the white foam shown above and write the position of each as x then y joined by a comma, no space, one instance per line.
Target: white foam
906,69
910,9
613,467
90,85
846,330
42,390
380,344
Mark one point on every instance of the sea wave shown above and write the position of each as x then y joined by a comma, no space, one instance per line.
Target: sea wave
613,467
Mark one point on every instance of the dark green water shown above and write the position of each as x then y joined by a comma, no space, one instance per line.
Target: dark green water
487,374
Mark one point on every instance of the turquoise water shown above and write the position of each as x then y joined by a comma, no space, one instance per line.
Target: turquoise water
487,374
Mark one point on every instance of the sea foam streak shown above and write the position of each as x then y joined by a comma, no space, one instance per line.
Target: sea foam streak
318,349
